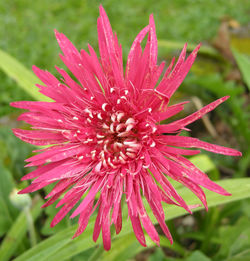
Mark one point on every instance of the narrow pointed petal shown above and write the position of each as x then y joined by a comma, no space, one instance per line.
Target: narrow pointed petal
190,142
176,125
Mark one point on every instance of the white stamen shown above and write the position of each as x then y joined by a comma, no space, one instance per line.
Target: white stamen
104,106
112,127
126,92
120,116
135,145
118,101
129,143
93,152
123,134
87,110
113,117
131,149
118,144
99,116
105,148
123,155
75,118
152,144
102,155
112,90
131,155
122,160
78,131
154,129
105,126
149,109
92,98
100,136
120,127
104,163
59,120
110,163
130,121
80,158
129,127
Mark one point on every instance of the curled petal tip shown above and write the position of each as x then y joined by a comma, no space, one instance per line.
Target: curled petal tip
102,10
13,104
44,205
21,192
238,153
151,19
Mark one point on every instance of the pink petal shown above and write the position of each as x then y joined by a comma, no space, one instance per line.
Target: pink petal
190,142
176,125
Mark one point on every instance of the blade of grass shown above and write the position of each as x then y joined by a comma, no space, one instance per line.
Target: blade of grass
18,230
172,45
24,78
243,62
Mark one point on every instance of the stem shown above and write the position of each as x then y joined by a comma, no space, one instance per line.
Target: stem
30,225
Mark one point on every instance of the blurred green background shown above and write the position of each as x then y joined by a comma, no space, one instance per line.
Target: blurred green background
222,68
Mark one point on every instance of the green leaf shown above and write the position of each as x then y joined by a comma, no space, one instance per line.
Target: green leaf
235,240
243,62
157,255
203,162
197,256
7,210
125,248
21,75
173,45
17,231
61,247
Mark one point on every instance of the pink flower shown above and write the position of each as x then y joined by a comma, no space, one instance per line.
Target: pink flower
104,135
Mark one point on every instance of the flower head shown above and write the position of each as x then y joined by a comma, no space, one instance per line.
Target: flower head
105,138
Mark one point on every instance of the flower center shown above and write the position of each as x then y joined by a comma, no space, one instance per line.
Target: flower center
118,140
119,137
